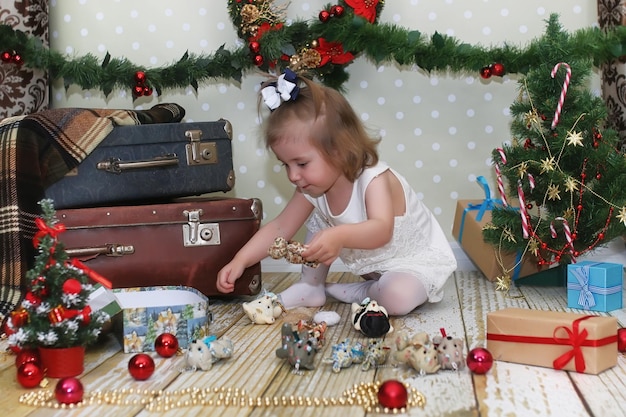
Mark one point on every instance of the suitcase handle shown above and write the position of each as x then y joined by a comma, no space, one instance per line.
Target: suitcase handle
117,166
109,249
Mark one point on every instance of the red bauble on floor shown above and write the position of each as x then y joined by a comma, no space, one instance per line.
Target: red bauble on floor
621,340
29,375
393,394
166,345
141,366
69,390
479,360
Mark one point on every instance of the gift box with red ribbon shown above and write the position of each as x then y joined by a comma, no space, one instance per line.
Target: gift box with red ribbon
553,339
469,220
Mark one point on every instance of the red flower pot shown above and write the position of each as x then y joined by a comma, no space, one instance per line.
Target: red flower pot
62,362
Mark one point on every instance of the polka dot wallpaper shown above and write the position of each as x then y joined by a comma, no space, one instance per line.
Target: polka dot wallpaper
438,129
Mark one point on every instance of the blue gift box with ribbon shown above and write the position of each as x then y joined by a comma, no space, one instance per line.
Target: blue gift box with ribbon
594,286
470,218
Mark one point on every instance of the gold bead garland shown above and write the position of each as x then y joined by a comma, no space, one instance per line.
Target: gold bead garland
364,395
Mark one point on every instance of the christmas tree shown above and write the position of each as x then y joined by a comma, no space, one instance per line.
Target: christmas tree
54,312
562,163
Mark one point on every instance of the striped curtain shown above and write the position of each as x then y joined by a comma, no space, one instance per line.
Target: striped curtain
23,90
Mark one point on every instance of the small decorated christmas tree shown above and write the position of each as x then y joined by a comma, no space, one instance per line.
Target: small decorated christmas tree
54,312
563,163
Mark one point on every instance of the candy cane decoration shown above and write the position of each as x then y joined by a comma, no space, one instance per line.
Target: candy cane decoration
531,181
499,176
523,210
568,235
568,77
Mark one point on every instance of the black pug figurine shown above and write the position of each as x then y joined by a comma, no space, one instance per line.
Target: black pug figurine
371,319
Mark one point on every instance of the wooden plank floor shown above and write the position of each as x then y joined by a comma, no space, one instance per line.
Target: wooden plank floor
506,390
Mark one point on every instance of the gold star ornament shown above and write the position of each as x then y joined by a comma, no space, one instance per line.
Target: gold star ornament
553,192
503,282
571,185
622,215
547,164
574,138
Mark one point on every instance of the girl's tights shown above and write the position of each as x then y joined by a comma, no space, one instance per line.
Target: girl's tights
399,292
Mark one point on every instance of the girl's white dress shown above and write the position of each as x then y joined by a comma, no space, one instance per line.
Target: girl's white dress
418,245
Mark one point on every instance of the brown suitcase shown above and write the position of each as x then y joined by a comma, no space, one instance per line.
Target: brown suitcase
185,242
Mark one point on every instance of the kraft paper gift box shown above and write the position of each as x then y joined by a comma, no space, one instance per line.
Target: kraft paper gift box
552,339
148,312
469,219
594,286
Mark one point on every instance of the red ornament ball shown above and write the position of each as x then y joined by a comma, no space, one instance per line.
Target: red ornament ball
138,91
497,69
479,360
255,47
140,77
17,59
258,60
27,356
621,340
393,394
141,366
166,345
147,91
72,286
69,391
6,56
485,72
29,375
324,16
337,10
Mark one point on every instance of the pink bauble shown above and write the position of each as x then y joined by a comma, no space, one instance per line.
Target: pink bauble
393,394
479,360
69,390
166,345
141,366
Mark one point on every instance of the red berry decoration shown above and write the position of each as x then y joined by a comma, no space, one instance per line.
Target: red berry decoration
140,77
141,366
324,16
497,69
6,56
17,59
29,374
27,356
258,60
393,394
147,91
69,391
479,360
485,72
72,286
166,345
337,10
621,340
138,91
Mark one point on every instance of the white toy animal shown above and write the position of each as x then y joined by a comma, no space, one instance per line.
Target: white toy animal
202,354
264,310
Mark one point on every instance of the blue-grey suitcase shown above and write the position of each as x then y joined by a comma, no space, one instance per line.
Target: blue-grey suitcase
151,162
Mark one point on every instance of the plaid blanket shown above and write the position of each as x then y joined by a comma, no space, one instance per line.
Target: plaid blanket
35,151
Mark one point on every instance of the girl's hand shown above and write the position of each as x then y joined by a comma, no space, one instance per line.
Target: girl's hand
325,246
227,276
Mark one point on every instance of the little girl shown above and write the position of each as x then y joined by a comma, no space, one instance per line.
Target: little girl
358,208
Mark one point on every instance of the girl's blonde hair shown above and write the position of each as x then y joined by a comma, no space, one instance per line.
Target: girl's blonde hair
336,130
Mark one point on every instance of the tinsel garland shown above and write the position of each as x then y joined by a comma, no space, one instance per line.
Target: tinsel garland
273,44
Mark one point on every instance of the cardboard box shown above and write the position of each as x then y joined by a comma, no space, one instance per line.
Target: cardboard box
468,231
595,286
549,339
148,312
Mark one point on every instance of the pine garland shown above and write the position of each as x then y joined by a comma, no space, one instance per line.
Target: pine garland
280,45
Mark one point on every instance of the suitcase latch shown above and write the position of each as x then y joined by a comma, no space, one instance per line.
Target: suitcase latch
199,153
199,234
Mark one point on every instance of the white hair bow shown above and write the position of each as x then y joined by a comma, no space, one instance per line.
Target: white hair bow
284,89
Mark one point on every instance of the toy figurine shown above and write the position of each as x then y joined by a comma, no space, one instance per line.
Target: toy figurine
345,354
290,250
297,347
202,354
376,354
449,352
315,330
371,319
264,310
418,352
